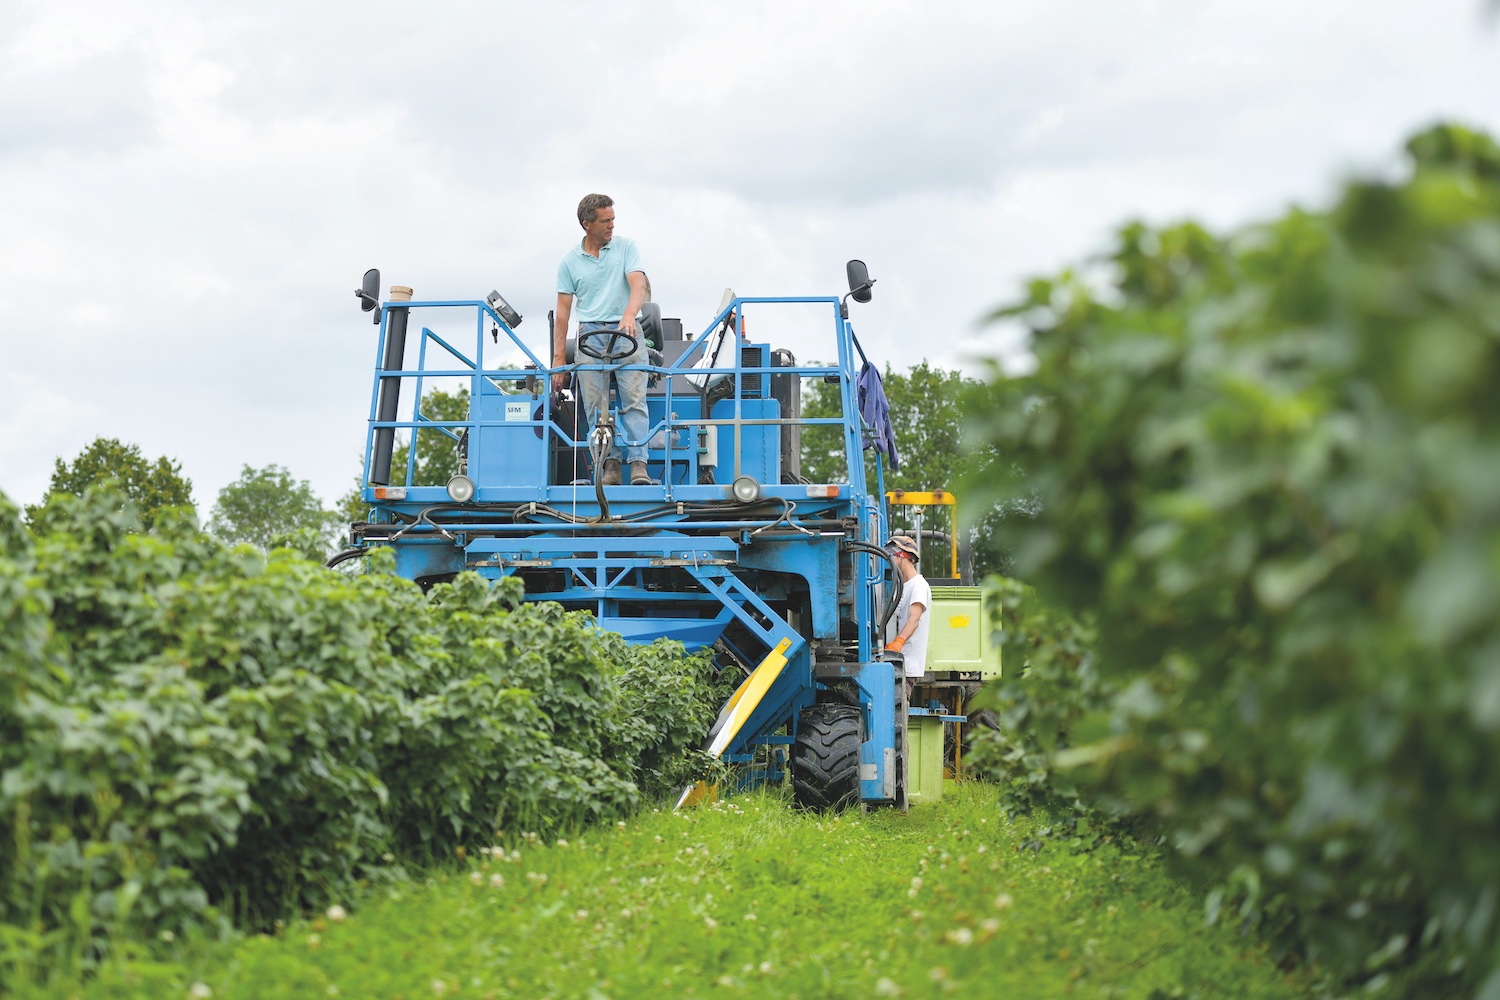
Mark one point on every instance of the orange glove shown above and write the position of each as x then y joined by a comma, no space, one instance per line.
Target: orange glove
895,645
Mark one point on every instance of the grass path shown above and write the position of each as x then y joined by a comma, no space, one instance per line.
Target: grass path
749,898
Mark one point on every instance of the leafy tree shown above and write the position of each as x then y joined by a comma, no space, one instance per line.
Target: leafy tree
1267,472
929,427
929,412
150,486
437,454
351,506
924,413
265,504
822,445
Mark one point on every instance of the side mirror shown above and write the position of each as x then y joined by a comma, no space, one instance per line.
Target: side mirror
368,292
859,280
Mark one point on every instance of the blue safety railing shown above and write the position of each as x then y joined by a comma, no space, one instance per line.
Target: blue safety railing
667,428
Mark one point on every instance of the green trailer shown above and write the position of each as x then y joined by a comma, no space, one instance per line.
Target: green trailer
961,655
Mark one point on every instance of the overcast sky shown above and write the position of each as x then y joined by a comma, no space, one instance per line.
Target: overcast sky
189,192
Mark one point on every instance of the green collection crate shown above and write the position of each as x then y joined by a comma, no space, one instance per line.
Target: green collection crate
958,638
924,741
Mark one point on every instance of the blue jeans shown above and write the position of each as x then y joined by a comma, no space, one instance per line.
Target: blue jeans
594,388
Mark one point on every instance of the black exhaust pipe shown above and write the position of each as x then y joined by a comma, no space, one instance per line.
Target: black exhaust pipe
390,393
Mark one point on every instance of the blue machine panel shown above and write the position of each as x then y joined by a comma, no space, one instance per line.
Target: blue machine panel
683,440
760,444
509,453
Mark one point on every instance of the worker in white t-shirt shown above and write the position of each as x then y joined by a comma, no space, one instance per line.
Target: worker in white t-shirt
911,617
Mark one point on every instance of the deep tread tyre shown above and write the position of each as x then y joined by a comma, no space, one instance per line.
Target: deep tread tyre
840,693
825,767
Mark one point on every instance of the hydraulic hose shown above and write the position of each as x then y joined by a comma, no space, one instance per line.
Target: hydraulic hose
599,444
696,516
345,556
895,599
787,507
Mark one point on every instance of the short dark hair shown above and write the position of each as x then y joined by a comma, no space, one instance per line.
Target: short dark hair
590,205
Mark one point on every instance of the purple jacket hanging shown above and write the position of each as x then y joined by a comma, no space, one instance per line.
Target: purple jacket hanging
876,411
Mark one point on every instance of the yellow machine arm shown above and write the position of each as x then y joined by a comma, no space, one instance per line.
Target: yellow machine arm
733,716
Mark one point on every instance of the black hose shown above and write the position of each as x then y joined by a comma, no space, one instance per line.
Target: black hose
876,550
508,507
345,556
600,442
689,510
599,493
642,521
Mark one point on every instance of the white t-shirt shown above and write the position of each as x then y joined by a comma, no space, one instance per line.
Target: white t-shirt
915,591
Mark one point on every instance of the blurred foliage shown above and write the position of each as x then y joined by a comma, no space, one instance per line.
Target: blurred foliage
264,506
1268,467
152,487
1050,700
192,733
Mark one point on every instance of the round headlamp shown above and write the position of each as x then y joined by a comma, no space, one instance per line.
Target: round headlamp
461,488
745,489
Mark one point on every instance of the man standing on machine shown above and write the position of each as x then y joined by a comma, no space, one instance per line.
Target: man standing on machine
911,617
604,274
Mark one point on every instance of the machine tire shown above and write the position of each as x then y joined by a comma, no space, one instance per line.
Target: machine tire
840,693
825,768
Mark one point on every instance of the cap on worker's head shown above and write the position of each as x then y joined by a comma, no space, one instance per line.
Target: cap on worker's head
903,544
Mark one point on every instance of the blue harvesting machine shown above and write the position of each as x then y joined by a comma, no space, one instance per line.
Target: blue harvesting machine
731,548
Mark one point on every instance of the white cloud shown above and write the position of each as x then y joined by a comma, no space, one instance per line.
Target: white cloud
190,193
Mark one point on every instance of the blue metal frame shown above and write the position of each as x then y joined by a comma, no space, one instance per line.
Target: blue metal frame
847,344
679,559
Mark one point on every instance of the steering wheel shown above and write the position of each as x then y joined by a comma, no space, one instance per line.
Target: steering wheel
610,352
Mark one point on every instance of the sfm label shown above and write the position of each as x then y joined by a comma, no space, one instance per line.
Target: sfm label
517,411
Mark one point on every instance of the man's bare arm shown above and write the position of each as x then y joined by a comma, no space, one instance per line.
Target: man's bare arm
637,282
560,337
913,618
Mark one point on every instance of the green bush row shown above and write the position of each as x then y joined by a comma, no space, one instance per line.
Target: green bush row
192,733
1269,473
1051,701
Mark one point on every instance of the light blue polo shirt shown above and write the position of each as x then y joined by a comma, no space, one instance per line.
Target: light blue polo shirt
597,284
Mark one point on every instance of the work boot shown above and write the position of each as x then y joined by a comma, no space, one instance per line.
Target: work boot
611,472
638,475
